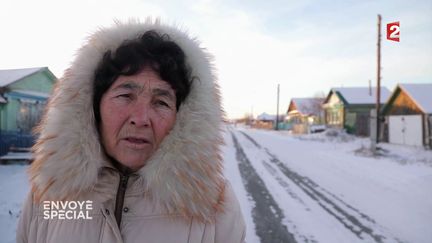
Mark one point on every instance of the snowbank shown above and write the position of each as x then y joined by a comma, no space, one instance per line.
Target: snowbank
13,190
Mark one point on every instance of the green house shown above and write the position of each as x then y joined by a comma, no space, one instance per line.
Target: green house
349,108
23,96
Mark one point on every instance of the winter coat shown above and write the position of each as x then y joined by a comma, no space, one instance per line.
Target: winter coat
180,195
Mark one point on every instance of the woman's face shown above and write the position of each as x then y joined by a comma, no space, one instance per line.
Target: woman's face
137,112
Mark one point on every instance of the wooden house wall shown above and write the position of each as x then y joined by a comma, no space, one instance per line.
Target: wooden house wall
403,105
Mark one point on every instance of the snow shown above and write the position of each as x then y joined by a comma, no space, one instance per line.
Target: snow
327,187
394,195
232,173
421,94
307,106
8,76
13,190
361,95
266,117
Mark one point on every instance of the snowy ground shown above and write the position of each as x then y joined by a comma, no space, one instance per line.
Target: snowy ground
328,188
310,188
13,190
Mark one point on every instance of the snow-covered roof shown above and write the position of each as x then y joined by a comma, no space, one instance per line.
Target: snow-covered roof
2,99
362,95
266,117
308,106
421,94
8,76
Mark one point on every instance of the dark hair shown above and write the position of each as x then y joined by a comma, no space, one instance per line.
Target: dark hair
150,50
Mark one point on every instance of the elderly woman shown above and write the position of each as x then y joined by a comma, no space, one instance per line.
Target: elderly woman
129,147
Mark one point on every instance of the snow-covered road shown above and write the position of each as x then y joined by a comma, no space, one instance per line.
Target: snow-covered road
309,191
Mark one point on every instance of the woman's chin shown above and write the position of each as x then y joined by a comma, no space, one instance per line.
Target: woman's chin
133,165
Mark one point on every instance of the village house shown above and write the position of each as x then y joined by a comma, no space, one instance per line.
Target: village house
267,121
305,115
408,115
23,96
349,108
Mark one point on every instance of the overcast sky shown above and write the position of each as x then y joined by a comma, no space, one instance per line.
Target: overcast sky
305,46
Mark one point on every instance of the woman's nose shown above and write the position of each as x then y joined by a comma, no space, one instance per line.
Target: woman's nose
140,115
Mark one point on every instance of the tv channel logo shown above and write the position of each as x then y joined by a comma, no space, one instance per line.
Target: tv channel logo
393,31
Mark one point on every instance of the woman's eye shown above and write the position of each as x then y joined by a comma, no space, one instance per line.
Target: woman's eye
162,103
124,96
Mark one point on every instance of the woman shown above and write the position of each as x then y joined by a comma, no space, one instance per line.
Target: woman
129,147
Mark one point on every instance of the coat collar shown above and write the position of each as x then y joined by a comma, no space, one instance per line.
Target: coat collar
184,176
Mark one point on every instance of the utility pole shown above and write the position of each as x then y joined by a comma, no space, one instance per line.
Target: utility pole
277,109
378,88
370,87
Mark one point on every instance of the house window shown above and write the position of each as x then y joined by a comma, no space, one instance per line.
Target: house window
29,114
334,117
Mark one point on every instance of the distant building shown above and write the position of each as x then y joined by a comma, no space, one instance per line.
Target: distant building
266,117
349,108
304,114
267,121
408,114
23,96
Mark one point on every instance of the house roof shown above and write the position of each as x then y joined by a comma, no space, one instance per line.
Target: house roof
30,94
266,117
8,76
307,106
359,95
2,100
421,95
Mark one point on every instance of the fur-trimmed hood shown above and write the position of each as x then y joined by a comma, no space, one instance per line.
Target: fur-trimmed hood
183,176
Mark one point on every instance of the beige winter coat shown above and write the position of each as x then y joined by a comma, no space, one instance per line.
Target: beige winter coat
180,195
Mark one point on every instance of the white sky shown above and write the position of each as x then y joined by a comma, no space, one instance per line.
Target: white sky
306,46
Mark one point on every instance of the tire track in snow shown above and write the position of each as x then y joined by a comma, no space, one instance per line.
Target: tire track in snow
350,217
284,184
267,215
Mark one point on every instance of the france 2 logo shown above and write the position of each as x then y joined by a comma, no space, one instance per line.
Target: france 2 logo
393,31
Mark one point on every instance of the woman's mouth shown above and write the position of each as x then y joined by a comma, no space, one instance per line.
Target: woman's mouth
136,142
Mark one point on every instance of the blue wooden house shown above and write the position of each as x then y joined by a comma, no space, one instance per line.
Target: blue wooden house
23,96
